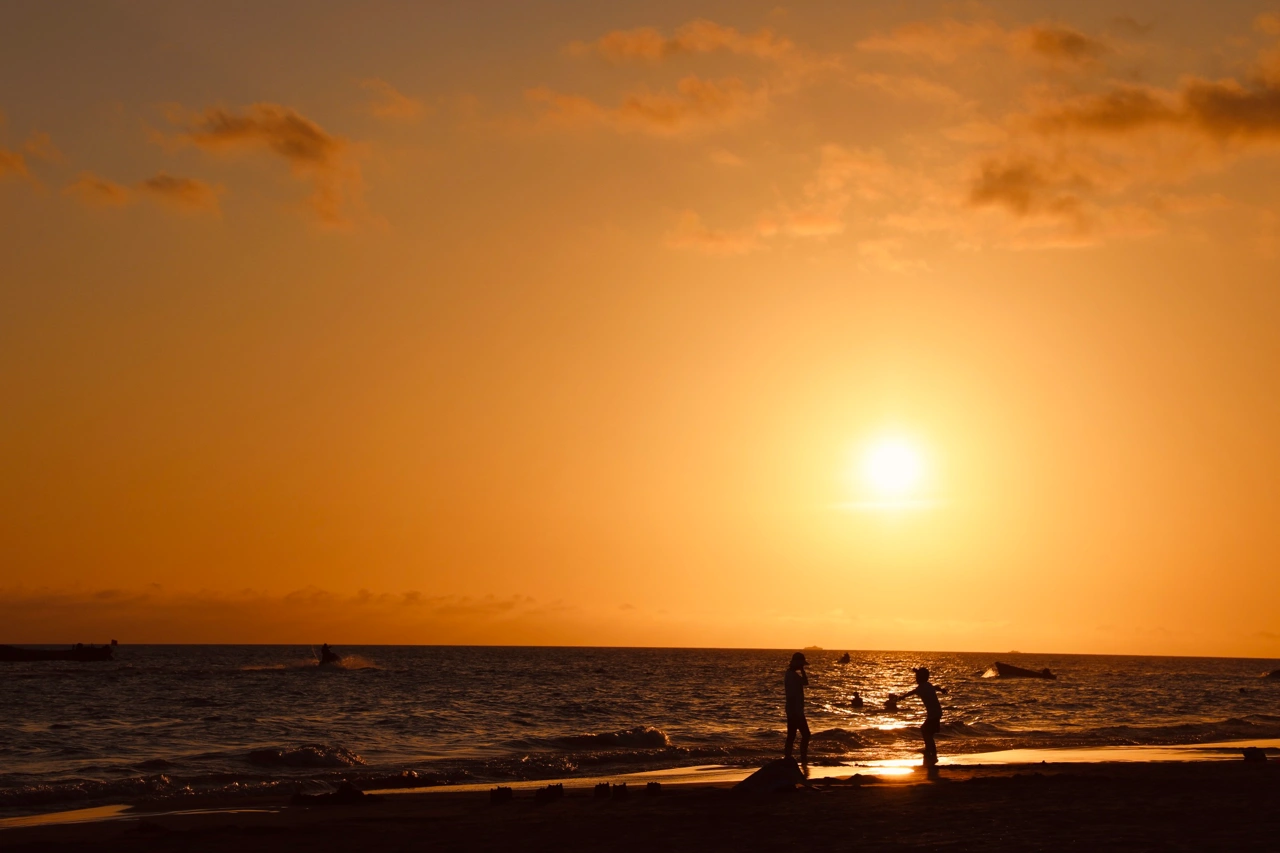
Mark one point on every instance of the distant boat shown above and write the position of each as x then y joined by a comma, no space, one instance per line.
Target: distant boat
78,652
1008,670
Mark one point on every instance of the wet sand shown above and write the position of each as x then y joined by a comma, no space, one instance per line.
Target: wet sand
1165,806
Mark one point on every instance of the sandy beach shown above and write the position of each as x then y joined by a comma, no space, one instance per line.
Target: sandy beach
1142,806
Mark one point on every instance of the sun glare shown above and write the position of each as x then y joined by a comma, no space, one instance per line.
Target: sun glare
892,469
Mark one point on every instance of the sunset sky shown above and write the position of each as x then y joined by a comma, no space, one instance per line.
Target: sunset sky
581,322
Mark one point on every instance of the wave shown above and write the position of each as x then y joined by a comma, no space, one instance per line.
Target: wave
306,756
639,737
347,663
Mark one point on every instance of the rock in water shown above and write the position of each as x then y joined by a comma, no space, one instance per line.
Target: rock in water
781,775
1253,753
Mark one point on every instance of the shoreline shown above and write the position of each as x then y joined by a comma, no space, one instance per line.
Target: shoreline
1108,805
907,771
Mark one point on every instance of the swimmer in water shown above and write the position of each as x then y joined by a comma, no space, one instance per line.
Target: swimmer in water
856,701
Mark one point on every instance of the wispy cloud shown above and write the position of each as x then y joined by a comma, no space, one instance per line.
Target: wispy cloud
313,154
154,614
818,211
696,105
699,36
98,192
947,40
12,164
189,194
40,145
390,103
184,194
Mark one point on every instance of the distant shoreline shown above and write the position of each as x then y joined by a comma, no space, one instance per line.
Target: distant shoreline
832,651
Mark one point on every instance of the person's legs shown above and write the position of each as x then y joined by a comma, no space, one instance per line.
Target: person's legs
929,729
804,741
792,726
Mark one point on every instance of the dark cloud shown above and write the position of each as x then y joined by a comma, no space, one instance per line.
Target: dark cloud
188,194
948,40
312,153
299,616
1221,109
1059,43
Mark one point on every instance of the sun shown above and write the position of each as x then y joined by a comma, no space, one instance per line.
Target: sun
892,468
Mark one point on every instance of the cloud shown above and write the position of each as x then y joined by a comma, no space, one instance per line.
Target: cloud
691,233
948,40
156,615
98,192
1099,164
40,145
185,194
910,87
12,163
1268,23
313,155
696,105
842,175
189,194
389,103
699,36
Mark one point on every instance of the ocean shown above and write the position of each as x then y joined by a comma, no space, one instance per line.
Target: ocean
170,723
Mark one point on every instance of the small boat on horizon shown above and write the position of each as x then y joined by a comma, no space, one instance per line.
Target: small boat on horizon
79,652
999,669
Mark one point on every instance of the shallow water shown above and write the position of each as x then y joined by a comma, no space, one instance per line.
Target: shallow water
168,722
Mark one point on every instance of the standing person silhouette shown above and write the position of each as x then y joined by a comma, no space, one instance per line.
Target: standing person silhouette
928,694
796,680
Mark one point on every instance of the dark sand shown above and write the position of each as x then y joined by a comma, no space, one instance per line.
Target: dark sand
1159,806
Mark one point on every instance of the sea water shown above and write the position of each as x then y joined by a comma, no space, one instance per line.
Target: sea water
167,723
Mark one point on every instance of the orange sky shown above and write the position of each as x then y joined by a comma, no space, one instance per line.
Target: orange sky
570,322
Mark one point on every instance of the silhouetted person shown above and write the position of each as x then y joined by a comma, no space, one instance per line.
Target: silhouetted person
327,655
856,701
928,694
891,704
844,658
796,680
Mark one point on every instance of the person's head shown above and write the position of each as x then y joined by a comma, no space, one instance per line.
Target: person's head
922,674
798,661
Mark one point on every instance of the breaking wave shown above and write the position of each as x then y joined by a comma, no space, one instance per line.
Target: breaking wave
307,756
